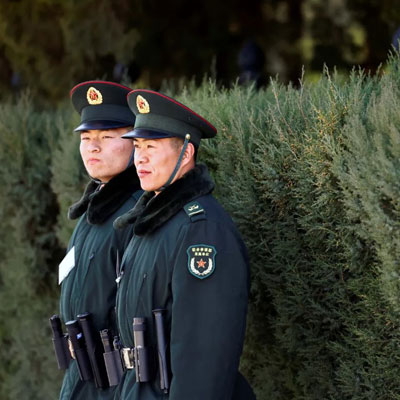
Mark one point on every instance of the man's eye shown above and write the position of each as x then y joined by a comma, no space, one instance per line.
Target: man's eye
108,137
84,138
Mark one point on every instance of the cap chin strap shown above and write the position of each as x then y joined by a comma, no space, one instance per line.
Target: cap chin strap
178,164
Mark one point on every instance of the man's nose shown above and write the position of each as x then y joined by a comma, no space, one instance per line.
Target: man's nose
94,146
140,156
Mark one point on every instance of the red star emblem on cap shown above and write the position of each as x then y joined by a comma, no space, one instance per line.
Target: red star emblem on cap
201,263
93,95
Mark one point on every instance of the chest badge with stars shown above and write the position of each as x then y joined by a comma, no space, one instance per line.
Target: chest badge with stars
201,260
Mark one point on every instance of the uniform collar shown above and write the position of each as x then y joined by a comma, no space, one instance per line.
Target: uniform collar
100,203
152,211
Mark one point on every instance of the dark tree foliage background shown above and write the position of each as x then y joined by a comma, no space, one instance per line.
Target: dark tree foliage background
50,45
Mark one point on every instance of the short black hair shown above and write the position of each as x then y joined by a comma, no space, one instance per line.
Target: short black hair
178,143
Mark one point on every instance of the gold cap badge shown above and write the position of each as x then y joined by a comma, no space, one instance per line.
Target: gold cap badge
142,105
93,96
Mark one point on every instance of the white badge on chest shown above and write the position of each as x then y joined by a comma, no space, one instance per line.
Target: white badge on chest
66,265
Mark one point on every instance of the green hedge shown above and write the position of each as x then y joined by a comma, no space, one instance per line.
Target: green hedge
311,177
29,252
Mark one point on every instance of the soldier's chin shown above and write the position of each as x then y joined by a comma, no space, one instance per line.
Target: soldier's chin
147,186
94,173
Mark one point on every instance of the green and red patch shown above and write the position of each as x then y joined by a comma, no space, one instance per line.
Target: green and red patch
201,260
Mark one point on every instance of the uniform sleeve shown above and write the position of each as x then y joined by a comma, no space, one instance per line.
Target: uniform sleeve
210,294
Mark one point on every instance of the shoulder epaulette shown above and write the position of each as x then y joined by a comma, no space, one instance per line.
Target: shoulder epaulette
195,211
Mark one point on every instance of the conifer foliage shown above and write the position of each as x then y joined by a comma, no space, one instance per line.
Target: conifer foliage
29,252
311,177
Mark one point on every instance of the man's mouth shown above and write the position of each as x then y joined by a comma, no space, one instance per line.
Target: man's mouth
92,161
142,173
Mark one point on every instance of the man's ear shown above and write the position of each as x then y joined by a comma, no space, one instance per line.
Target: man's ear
188,156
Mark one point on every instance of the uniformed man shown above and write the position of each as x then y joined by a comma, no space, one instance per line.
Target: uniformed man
186,258
87,274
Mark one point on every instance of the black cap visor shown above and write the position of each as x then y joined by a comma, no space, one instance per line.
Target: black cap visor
147,134
100,125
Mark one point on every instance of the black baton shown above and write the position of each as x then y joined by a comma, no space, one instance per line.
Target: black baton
60,345
78,344
94,350
162,349
140,350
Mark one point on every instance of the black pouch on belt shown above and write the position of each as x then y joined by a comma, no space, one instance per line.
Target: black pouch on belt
112,358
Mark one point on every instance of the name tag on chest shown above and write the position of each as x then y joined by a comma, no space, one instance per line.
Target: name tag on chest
66,265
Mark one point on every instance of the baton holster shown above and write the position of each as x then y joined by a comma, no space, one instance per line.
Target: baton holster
112,358
60,344
79,349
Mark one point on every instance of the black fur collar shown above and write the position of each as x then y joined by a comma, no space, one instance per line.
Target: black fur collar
152,211
99,204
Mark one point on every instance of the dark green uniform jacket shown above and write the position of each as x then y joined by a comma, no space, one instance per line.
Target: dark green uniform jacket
90,286
194,264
